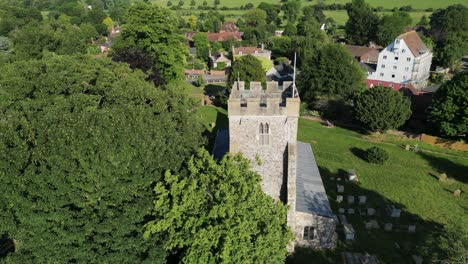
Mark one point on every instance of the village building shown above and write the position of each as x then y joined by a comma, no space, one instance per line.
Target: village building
263,127
229,27
403,63
254,51
218,58
364,54
224,36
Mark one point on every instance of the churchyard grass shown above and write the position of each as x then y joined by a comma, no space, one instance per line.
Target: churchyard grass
408,180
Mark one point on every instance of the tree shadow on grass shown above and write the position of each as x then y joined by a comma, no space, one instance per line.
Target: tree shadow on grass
221,122
214,89
360,153
396,246
442,165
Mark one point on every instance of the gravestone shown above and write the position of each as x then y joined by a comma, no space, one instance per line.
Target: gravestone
370,211
343,219
339,198
457,193
362,199
332,178
341,210
442,177
350,199
407,147
395,213
412,228
349,232
352,176
368,225
340,188
338,179
350,211
388,227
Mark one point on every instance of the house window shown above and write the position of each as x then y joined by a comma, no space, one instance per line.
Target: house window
403,50
393,75
309,233
394,67
408,59
396,58
385,57
406,68
397,41
404,77
264,131
381,74
243,102
383,65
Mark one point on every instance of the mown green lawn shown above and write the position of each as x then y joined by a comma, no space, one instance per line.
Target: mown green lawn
407,180
340,16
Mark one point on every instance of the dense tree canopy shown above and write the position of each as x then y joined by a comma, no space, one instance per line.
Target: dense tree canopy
450,107
248,69
153,29
362,23
391,26
382,108
329,71
449,31
202,44
292,10
218,213
83,141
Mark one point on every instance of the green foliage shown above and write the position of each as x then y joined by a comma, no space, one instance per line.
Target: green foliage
272,12
449,31
202,44
218,213
449,111
200,81
330,71
376,155
292,10
362,23
220,66
255,17
290,29
154,30
451,244
391,26
248,69
382,108
83,141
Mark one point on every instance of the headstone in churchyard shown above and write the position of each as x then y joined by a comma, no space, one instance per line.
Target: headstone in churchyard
412,228
407,147
343,219
416,148
352,176
339,198
442,177
396,213
349,232
338,179
417,259
374,224
388,227
362,199
332,178
350,211
368,225
370,211
350,199
457,193
341,210
340,188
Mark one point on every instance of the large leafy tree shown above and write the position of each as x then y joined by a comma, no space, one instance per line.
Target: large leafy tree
362,23
218,213
153,30
202,44
272,12
382,108
450,107
292,10
449,31
329,71
83,141
391,26
248,69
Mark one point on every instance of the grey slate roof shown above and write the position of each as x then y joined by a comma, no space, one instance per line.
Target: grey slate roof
310,192
221,145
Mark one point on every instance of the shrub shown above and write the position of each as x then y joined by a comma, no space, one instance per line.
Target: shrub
376,155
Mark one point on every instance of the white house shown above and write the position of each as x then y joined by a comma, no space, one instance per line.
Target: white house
404,63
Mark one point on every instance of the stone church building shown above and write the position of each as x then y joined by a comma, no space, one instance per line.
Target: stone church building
263,127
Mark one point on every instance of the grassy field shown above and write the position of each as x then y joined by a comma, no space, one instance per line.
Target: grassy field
408,180
416,4
340,16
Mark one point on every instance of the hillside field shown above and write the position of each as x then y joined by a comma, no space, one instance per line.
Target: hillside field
408,180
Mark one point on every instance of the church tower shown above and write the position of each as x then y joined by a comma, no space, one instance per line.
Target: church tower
261,124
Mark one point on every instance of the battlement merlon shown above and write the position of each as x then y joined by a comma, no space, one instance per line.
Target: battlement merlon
276,100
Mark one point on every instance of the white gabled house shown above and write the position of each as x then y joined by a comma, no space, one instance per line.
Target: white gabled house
404,63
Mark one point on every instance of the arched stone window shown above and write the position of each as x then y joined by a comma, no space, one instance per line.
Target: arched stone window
264,133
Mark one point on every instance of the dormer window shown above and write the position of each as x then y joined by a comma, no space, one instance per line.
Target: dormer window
408,59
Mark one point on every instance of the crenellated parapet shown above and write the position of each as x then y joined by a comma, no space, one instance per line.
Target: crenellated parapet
275,100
